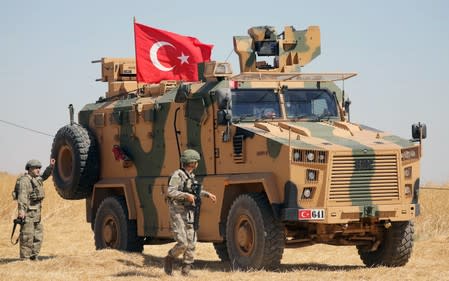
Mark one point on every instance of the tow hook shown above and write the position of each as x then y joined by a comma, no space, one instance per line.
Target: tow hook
387,225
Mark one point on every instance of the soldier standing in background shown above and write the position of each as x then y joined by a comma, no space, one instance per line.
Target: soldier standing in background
30,194
180,204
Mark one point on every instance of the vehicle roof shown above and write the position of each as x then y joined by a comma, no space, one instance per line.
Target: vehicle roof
303,77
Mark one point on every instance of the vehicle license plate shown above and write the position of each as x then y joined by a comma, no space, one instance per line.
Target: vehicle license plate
311,214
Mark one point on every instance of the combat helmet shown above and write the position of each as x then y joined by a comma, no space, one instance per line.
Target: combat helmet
189,156
33,163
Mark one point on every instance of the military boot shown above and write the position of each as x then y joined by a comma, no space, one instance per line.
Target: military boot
168,265
185,270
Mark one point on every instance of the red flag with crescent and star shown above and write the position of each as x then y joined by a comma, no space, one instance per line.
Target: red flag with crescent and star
163,55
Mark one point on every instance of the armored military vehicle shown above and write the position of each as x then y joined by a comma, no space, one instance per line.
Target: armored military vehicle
288,167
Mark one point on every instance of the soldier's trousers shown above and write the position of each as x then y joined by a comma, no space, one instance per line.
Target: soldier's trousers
184,234
31,236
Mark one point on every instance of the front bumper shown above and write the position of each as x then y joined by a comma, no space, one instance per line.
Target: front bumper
338,215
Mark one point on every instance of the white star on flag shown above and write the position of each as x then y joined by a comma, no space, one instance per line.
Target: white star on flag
183,58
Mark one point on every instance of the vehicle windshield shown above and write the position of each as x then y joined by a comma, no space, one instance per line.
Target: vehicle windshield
310,103
254,104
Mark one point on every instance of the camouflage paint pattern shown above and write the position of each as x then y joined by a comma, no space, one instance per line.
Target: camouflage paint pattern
296,49
361,176
29,199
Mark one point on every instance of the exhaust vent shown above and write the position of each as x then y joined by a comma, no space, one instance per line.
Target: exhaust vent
239,155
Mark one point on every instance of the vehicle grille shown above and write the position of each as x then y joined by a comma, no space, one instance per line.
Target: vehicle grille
364,178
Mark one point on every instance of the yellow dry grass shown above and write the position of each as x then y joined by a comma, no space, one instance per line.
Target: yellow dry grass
68,252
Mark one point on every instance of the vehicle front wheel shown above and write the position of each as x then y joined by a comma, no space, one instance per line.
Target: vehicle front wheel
395,249
113,229
255,239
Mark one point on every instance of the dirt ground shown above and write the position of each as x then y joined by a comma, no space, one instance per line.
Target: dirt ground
68,252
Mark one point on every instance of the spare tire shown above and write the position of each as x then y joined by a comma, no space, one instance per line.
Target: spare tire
77,162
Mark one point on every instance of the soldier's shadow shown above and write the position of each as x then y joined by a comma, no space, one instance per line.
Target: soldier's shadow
150,260
10,260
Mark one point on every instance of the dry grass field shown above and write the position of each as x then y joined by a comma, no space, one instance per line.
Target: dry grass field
68,252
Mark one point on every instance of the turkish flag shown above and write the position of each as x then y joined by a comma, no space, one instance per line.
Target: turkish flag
304,214
163,55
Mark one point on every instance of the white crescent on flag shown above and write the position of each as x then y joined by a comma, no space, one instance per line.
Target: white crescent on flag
153,55
304,214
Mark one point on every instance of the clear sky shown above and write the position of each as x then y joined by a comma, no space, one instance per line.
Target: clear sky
400,50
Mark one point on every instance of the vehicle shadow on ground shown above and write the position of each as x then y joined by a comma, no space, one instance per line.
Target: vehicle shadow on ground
219,266
318,267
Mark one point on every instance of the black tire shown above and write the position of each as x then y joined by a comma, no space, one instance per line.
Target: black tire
222,251
396,248
255,239
77,162
113,229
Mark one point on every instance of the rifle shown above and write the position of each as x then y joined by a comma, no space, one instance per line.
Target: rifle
196,188
16,221
196,191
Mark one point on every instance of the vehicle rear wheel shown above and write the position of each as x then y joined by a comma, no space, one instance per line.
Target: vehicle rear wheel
396,248
255,239
77,162
113,229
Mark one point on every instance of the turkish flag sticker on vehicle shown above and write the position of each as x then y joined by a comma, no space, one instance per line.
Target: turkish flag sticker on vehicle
310,214
163,55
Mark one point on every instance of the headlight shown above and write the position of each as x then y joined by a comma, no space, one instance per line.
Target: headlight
322,157
408,190
310,156
409,154
311,175
307,193
297,156
408,172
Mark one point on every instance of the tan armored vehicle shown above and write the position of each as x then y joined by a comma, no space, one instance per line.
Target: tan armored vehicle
277,148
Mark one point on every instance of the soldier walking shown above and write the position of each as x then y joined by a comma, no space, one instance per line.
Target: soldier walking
181,199
30,194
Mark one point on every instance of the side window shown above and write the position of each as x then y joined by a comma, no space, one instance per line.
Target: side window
255,103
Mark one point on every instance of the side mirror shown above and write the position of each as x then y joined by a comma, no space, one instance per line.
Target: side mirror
223,98
419,131
223,117
346,104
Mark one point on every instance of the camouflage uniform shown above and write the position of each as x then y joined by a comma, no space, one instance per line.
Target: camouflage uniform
29,198
182,214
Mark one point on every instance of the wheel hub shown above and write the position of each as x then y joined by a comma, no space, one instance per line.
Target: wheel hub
65,163
110,232
245,236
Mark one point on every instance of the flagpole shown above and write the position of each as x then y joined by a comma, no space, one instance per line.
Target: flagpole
135,52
